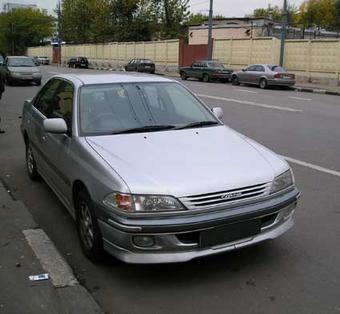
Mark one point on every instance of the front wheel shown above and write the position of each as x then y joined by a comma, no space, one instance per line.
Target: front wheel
235,81
88,229
183,76
263,83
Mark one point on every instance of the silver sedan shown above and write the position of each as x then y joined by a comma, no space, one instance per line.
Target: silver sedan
263,75
149,172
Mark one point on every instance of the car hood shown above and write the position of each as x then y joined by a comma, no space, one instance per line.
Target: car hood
187,162
23,69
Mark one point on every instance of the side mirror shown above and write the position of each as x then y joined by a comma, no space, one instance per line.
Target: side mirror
55,126
218,112
243,70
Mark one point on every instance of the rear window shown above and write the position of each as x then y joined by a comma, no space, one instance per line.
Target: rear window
277,68
146,61
216,65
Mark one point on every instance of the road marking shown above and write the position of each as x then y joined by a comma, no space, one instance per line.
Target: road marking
300,98
246,91
250,103
53,263
312,166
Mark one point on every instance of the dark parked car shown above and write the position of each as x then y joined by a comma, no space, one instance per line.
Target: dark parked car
141,65
264,75
79,62
206,70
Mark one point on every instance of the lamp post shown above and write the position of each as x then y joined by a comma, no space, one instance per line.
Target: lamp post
283,31
210,48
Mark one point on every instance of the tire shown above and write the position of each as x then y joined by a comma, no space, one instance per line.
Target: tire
205,78
31,164
263,83
90,237
183,76
235,81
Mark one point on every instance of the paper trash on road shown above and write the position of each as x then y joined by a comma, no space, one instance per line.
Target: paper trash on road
38,277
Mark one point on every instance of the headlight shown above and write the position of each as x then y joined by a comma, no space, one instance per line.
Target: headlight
282,181
142,203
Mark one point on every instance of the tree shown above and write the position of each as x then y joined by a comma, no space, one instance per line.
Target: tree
21,28
196,19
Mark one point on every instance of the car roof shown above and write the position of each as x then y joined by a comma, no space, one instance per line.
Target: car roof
89,79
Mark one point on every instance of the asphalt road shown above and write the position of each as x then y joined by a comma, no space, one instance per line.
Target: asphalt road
297,273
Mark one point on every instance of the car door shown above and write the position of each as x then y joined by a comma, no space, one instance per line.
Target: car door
197,70
248,75
40,110
129,66
58,146
260,72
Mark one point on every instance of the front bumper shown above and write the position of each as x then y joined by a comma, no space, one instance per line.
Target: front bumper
177,239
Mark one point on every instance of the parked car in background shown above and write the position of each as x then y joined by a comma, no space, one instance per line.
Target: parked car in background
149,172
20,69
78,62
206,70
44,60
141,65
263,75
36,60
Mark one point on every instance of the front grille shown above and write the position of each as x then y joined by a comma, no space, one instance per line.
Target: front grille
228,197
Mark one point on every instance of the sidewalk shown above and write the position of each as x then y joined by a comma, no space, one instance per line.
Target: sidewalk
20,244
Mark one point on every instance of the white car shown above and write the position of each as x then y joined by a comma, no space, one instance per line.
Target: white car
44,60
149,172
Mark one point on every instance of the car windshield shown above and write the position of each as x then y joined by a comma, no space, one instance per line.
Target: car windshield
139,107
216,65
277,68
20,62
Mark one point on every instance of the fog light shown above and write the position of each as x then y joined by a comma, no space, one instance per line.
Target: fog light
144,241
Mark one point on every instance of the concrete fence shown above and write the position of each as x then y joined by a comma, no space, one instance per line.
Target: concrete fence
114,55
43,51
312,60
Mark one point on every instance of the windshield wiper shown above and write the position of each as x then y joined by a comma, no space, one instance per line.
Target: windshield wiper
197,124
146,128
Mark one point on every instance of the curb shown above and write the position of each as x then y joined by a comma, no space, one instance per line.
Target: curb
316,90
63,290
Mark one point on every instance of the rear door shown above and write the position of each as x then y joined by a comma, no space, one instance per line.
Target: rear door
260,72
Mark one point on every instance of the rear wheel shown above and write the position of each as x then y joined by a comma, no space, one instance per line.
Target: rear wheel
88,229
31,165
183,76
263,83
206,78
234,80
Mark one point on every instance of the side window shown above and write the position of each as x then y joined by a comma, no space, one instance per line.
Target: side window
251,68
64,103
259,68
195,64
46,99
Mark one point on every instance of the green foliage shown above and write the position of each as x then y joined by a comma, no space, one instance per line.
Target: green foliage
22,28
311,13
121,20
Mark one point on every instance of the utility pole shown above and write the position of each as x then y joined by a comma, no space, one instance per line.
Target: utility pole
283,31
210,43
59,39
